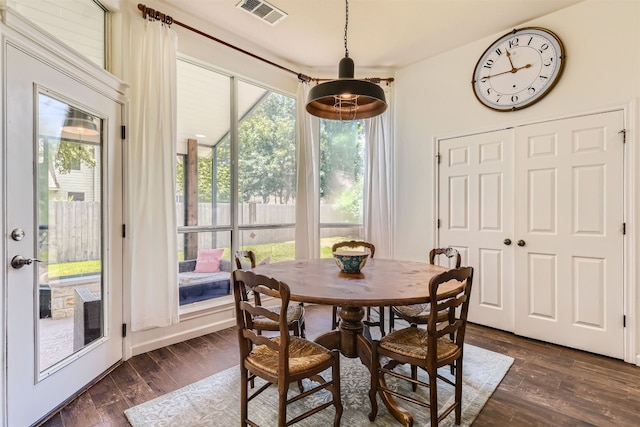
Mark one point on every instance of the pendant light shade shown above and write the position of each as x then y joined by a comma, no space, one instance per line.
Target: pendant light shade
346,98
79,123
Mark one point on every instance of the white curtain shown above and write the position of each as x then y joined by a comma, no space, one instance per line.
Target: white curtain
378,183
151,161
308,180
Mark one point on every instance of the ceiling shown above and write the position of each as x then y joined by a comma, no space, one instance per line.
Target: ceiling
382,34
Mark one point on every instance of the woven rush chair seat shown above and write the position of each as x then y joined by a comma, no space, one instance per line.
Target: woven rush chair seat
415,314
414,310
412,342
281,359
303,356
295,314
441,343
418,314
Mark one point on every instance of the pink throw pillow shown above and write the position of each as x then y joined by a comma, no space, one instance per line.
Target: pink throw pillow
208,260
265,261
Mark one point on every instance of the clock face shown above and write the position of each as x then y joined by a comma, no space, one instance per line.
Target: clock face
518,69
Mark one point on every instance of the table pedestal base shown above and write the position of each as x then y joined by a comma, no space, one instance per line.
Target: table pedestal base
350,340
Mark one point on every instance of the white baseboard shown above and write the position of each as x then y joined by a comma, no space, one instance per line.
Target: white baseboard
193,327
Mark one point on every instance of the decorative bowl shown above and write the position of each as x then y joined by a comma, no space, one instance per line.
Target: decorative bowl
351,262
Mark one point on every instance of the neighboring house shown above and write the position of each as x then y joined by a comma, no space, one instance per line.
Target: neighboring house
81,184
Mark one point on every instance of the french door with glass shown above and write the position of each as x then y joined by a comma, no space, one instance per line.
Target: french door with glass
63,215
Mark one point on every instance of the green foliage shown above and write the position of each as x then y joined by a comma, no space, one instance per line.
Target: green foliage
341,166
205,171
71,153
350,202
223,171
267,161
180,169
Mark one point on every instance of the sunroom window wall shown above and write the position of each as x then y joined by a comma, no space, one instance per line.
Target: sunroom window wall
235,167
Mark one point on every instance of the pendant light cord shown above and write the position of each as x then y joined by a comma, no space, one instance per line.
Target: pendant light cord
346,26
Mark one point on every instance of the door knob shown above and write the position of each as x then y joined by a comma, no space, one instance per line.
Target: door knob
507,242
17,234
521,243
19,261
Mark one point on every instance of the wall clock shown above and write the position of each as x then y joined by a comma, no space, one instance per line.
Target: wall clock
518,69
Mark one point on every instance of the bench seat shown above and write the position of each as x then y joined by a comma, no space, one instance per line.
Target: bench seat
194,287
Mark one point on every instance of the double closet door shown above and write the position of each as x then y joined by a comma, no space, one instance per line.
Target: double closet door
538,210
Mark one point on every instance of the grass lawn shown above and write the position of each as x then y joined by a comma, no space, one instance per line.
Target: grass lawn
278,252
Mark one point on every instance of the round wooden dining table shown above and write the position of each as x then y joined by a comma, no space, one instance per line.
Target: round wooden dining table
382,282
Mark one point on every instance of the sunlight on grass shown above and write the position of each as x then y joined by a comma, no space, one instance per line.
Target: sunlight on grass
277,252
75,268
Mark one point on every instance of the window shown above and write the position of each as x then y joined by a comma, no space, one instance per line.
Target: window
75,165
341,182
75,196
266,172
81,24
213,212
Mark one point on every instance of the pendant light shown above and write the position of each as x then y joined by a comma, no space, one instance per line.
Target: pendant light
346,98
79,123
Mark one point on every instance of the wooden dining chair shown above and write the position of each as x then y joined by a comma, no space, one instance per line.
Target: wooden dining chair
354,244
418,314
440,344
281,359
295,313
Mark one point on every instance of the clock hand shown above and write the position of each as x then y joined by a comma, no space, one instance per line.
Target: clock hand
510,61
512,71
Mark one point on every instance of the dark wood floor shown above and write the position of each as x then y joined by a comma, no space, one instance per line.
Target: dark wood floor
547,385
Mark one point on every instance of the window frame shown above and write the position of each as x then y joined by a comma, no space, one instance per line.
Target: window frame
234,228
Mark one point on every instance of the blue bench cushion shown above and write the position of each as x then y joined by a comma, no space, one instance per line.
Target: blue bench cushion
194,287
207,289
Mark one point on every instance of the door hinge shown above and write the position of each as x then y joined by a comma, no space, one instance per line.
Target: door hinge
124,330
438,223
624,228
624,135
123,132
438,158
124,230
624,321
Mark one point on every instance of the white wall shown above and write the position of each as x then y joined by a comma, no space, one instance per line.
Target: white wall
434,99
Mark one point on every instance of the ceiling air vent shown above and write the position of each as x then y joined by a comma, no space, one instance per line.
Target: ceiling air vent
263,11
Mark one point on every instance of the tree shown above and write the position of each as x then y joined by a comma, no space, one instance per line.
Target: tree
341,166
267,161
72,153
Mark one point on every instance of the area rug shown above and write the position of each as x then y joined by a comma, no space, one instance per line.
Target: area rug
213,401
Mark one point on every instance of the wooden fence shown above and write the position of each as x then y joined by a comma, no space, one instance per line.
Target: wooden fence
74,231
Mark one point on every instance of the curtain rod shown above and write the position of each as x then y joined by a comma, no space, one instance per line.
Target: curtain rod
152,14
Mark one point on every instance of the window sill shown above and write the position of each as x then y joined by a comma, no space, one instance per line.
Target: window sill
207,308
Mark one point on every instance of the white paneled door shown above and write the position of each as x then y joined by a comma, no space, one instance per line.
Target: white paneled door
63,216
558,214
475,212
569,218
